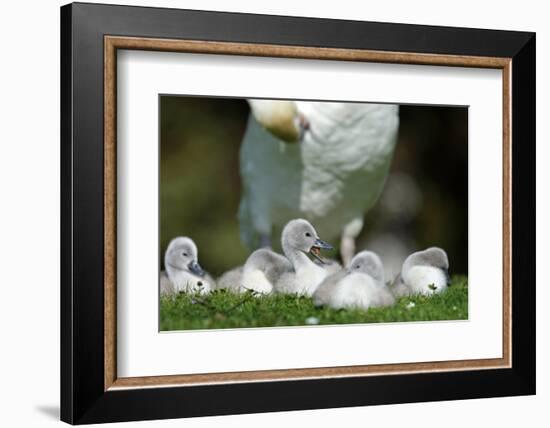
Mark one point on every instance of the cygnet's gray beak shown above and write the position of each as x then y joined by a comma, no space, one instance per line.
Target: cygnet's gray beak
195,268
322,244
315,250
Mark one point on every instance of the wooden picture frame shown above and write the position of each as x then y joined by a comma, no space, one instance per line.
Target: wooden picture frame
90,389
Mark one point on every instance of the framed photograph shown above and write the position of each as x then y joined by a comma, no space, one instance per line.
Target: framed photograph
266,213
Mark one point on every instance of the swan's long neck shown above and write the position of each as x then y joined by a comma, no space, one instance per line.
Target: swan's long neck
298,259
307,274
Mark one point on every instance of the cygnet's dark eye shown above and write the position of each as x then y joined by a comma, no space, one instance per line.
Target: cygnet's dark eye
184,254
308,234
199,284
357,267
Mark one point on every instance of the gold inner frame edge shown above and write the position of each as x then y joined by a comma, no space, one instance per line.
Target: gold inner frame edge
113,43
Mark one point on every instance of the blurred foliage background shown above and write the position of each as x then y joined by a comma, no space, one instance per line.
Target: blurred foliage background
424,203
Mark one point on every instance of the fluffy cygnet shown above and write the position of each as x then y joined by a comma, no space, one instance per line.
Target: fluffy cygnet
262,270
300,242
424,272
231,280
183,272
361,285
266,271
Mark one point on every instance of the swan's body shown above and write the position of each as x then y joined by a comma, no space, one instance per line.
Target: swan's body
183,272
332,176
166,286
231,280
424,272
361,285
183,282
355,290
266,271
262,269
299,241
303,280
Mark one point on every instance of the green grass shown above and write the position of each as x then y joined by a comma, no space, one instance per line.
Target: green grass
222,309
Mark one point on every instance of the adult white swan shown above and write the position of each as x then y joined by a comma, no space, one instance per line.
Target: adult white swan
323,161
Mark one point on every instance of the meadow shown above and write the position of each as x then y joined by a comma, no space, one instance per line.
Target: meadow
222,309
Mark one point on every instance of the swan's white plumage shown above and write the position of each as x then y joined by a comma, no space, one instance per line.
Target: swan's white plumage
173,282
423,272
231,280
360,285
358,290
303,280
183,273
332,177
426,280
266,271
262,269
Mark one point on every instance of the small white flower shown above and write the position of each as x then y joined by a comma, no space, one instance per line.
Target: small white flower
454,308
312,320
410,305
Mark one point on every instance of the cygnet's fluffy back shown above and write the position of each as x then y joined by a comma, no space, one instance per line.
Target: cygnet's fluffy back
361,285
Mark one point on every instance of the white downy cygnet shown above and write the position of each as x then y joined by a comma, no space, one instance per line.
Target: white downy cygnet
183,272
262,270
424,272
231,280
300,241
266,271
361,285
